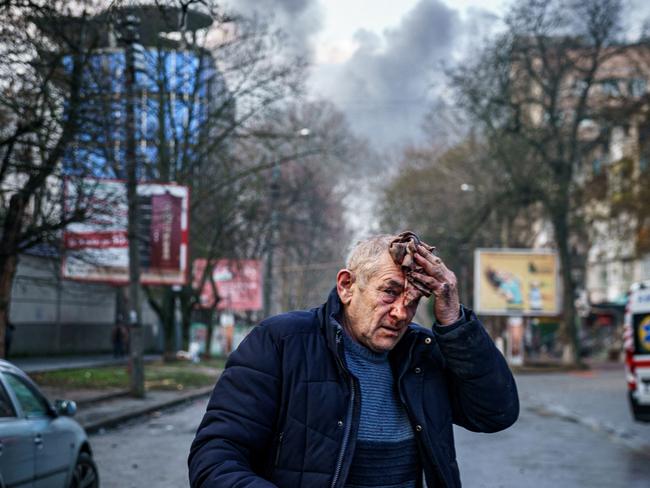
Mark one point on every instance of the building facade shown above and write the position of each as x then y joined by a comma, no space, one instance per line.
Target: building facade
175,86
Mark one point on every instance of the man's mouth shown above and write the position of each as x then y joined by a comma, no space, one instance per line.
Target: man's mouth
392,330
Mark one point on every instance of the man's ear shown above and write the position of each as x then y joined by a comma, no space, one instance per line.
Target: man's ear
344,282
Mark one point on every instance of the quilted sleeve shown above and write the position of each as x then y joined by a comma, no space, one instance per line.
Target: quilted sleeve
482,389
237,428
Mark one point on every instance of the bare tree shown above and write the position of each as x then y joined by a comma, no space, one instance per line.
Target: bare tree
219,98
456,200
42,76
532,94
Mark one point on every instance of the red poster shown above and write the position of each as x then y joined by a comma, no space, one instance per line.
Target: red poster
165,231
238,283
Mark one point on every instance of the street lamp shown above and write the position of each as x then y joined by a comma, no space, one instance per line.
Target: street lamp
466,187
130,25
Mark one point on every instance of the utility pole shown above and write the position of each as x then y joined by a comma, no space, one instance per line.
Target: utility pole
275,224
268,273
130,25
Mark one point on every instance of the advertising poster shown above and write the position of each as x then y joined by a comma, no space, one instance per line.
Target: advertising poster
516,282
97,249
238,283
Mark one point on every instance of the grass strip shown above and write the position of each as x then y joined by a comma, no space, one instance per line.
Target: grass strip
158,376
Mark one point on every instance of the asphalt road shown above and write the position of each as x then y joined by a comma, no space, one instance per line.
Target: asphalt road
148,452
550,446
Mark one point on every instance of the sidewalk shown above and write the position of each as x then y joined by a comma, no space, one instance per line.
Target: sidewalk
99,409
54,363
121,407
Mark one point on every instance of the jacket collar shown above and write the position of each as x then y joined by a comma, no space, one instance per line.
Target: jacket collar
330,317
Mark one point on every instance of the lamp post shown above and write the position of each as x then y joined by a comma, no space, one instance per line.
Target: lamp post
268,273
130,25
274,225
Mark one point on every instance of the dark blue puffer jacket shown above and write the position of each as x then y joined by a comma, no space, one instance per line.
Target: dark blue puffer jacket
285,410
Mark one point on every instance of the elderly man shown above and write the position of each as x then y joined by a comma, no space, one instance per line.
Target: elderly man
352,394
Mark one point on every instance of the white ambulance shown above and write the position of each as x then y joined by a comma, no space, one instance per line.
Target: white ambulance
636,335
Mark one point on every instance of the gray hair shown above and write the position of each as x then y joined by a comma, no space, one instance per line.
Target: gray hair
365,255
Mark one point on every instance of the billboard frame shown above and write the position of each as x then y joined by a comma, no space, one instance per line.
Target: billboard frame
184,239
505,312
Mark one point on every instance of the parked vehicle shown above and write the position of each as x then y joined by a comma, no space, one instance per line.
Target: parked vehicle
41,446
636,336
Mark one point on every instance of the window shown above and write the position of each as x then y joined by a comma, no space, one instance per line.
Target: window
579,87
637,87
32,403
597,166
645,268
6,408
603,276
610,87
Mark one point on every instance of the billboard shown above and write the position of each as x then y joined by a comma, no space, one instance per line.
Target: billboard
516,282
238,283
97,249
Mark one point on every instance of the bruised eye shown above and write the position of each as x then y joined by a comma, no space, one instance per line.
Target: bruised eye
390,295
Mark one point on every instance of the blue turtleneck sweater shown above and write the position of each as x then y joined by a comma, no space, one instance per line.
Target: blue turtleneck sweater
386,452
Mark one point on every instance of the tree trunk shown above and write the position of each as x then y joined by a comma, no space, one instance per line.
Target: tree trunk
9,260
212,316
568,329
7,272
186,315
168,323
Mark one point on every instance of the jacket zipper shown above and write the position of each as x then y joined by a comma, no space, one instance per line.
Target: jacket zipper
348,420
277,453
346,437
408,411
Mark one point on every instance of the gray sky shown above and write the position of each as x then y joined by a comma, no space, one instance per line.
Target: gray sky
393,76
382,61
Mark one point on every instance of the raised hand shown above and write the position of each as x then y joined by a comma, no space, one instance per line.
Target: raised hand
442,281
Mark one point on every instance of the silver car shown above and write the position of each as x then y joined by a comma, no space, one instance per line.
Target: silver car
40,445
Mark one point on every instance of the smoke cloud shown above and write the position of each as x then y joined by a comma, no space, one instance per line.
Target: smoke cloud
300,20
393,79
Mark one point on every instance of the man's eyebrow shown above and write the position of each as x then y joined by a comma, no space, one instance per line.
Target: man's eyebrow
394,283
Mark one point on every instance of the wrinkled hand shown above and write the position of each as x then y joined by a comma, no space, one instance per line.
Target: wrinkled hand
442,282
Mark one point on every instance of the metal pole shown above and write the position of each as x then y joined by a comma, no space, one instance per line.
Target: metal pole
275,221
268,274
136,363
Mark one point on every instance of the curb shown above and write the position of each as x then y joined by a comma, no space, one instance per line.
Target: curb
90,363
629,439
542,368
102,398
113,420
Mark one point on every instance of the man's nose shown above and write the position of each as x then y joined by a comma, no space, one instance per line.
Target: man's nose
398,311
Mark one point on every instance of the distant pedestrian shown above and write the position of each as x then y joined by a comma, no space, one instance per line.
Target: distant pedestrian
119,340
9,335
126,344
353,393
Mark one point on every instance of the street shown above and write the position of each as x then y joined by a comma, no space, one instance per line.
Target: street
574,430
